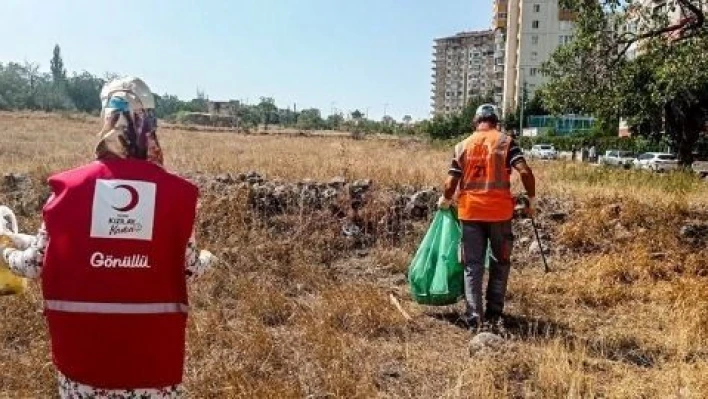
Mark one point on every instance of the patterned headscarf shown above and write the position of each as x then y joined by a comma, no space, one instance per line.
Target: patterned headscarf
129,122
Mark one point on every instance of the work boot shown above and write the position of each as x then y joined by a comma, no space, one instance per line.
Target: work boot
494,323
474,324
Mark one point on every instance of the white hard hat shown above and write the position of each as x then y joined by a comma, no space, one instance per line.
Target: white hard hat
486,111
131,89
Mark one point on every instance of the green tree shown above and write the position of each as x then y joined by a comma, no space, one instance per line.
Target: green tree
407,119
267,110
357,115
287,117
57,66
661,90
14,86
249,116
511,121
445,127
84,91
310,119
34,80
50,97
535,106
167,105
334,121
532,106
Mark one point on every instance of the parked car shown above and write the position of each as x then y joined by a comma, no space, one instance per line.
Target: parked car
656,161
624,159
544,151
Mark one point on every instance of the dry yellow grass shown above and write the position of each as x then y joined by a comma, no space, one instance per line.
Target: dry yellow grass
293,313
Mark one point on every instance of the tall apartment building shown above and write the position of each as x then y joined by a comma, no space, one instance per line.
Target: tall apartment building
463,68
534,30
499,18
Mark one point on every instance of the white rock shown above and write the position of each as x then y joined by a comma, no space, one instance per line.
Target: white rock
486,342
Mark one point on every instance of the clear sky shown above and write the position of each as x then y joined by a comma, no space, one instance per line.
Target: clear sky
316,53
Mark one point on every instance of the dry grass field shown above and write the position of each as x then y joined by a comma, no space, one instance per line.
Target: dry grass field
296,310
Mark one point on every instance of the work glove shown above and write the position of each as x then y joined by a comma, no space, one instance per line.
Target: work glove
444,203
531,208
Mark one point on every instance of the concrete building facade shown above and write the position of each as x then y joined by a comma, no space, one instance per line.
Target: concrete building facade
223,108
534,30
463,68
499,23
502,61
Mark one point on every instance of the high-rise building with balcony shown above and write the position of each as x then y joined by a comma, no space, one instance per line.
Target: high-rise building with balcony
504,62
463,68
499,22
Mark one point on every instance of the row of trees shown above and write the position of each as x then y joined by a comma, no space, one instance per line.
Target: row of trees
443,127
23,86
265,113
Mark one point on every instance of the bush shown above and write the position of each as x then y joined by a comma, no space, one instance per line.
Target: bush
443,127
447,127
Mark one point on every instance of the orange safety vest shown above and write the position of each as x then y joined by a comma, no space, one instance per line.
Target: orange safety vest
484,192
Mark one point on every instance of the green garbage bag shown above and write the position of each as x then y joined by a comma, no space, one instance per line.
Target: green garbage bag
435,275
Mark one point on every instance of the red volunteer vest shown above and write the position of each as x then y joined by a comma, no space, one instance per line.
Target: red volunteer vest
113,280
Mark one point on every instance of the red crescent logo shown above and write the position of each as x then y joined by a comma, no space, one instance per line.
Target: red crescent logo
134,198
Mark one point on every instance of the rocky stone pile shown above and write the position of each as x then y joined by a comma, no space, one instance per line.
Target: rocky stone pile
25,195
362,210
342,197
351,203
486,343
694,232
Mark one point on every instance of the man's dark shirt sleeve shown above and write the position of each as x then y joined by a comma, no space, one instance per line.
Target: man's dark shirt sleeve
515,155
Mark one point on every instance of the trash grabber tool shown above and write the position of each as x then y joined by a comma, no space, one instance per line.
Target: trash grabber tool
540,246
519,211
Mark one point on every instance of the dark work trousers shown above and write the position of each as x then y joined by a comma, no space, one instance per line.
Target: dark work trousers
475,238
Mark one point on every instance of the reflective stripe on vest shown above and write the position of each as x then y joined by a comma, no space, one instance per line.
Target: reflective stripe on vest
115,308
497,185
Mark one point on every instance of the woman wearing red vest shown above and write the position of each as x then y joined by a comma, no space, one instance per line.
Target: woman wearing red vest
480,176
114,252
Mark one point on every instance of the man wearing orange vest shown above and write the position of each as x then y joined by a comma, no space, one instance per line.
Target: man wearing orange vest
480,176
114,253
